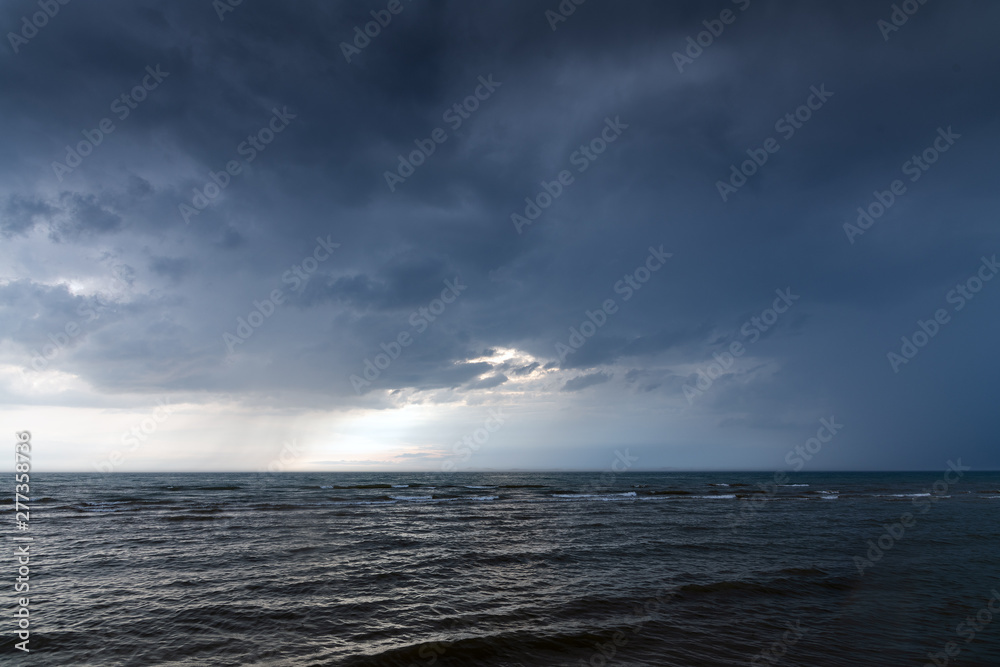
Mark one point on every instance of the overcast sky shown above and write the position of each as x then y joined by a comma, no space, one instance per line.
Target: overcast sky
131,278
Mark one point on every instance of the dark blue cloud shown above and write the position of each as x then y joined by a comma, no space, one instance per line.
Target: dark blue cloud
189,282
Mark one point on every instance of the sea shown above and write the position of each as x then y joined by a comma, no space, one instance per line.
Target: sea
510,569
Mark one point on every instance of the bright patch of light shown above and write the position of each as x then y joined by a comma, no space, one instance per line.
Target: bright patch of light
35,383
502,354
381,437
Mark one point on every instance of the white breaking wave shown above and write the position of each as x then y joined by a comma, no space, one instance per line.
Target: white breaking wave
599,496
905,495
432,499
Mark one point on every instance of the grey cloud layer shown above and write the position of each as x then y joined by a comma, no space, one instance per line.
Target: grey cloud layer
323,176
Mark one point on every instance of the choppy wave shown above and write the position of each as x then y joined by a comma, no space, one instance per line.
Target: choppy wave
483,570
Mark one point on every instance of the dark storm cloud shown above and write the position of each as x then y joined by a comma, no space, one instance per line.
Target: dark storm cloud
33,311
20,215
174,268
85,214
517,370
71,215
323,176
489,382
651,380
584,381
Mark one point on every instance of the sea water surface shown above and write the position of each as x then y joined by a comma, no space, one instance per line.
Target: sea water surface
511,569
